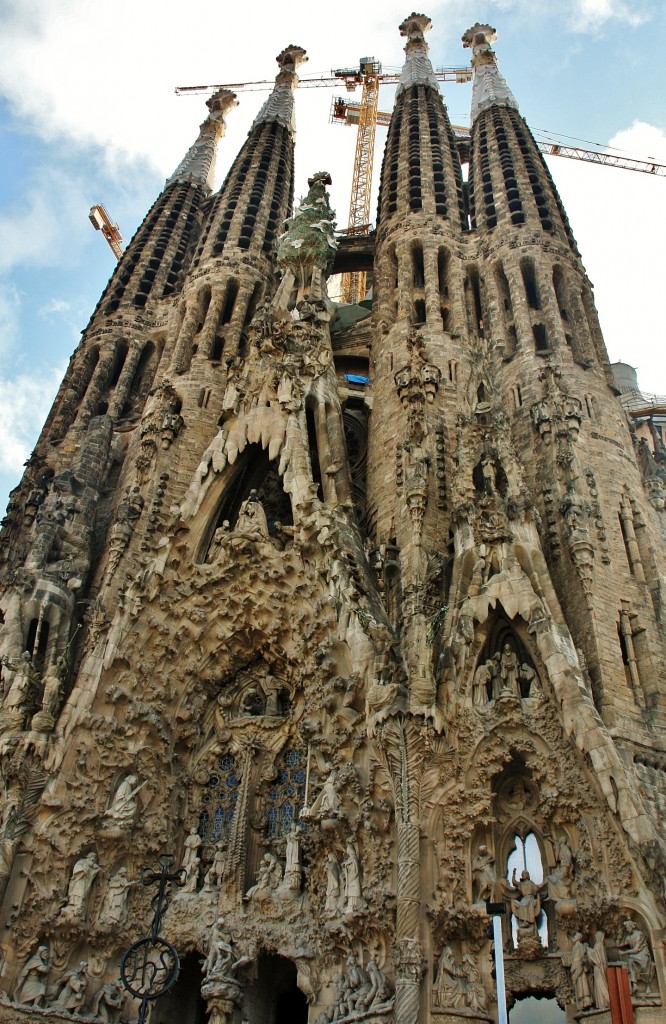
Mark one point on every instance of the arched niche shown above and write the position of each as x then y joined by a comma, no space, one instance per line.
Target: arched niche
275,998
505,665
542,1008
184,1002
253,471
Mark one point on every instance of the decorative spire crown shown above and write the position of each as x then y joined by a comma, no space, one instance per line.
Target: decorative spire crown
279,106
309,240
489,88
198,165
417,69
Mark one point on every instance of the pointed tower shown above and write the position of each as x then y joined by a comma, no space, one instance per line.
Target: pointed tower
358,613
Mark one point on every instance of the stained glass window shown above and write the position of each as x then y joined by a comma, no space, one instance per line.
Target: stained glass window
285,796
218,803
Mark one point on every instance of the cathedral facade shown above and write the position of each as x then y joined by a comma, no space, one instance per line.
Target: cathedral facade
355,611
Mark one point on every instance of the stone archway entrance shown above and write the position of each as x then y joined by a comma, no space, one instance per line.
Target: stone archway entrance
275,998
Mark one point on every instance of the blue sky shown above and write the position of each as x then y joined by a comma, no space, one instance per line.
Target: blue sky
88,114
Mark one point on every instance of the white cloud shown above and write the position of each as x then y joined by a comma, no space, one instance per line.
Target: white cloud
24,404
54,307
10,302
588,15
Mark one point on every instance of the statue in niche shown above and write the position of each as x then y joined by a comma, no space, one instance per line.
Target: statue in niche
215,873
580,973
31,985
108,1002
114,907
191,860
484,878
72,994
526,905
352,878
488,476
327,804
449,981
560,881
475,994
252,519
84,873
519,796
635,951
269,877
509,670
123,808
482,685
219,962
598,960
219,541
333,887
292,867
127,516
529,681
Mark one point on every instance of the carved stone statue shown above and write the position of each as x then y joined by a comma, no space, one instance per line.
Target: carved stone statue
475,994
220,954
114,906
483,874
269,877
352,878
580,973
509,672
124,804
292,867
635,950
215,873
191,860
127,516
327,804
526,907
332,867
252,518
482,680
72,994
598,960
31,985
108,1002
84,873
449,983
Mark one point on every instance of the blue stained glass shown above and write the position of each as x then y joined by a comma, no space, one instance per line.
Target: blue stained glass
292,758
274,794
222,788
299,776
232,780
213,781
226,763
205,799
282,776
289,790
287,816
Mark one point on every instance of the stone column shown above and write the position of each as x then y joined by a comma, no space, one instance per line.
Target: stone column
183,350
521,316
209,330
122,388
408,954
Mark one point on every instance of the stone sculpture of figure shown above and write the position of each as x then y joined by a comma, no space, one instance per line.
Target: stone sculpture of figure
488,473
31,985
509,672
72,994
114,905
332,884
598,960
292,867
379,990
580,973
636,952
124,805
560,881
449,981
129,510
220,537
84,873
271,688
358,985
529,679
269,877
252,518
483,874
220,954
526,908
191,860
23,685
475,993
352,877
215,873
108,1002
327,804
482,680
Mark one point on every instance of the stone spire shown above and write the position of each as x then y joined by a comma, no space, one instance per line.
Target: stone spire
489,87
279,106
198,164
417,69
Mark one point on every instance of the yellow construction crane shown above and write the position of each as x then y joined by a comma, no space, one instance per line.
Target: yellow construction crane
100,220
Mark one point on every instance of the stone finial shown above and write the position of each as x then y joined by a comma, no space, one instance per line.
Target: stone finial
280,104
198,165
489,88
309,241
417,69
